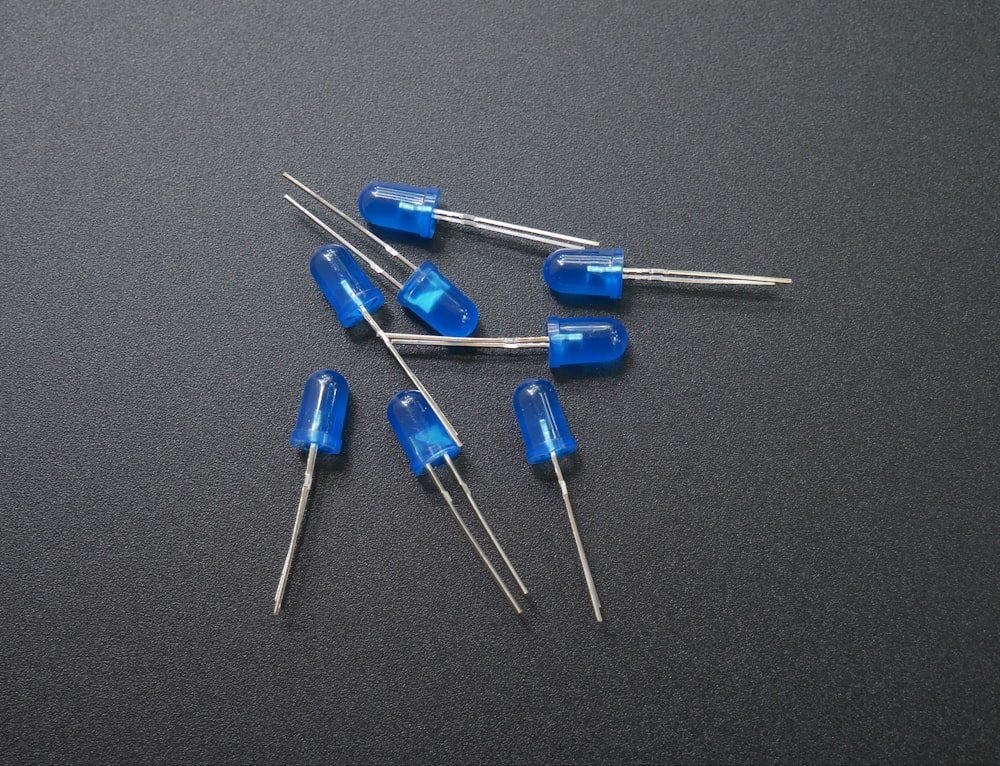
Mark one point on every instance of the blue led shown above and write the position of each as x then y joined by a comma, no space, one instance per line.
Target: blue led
421,433
571,342
433,298
546,438
543,425
585,272
400,207
319,429
585,341
414,209
344,284
601,273
322,412
427,444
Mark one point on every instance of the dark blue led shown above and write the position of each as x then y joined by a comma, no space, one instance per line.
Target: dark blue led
421,433
433,298
585,272
344,284
543,425
322,412
585,341
400,207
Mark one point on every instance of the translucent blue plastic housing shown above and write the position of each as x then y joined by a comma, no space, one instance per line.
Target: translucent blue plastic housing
322,413
585,272
438,302
585,341
421,433
344,284
400,207
542,422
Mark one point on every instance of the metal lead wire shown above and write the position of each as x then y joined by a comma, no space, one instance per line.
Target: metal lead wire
468,534
482,520
279,596
410,374
371,235
511,229
699,277
591,588
371,264
410,339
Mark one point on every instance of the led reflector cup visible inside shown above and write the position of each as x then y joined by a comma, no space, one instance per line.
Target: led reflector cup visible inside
322,412
344,284
585,272
585,341
437,301
400,207
421,433
542,422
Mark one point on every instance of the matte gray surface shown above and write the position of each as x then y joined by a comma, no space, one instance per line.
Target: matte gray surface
790,501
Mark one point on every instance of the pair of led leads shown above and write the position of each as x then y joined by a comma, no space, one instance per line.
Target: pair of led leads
429,445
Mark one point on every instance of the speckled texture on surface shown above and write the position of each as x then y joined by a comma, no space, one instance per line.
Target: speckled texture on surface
790,503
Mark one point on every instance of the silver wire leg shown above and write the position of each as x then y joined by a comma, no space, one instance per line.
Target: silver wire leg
482,520
468,534
579,543
385,245
409,339
512,229
699,277
371,264
279,596
411,375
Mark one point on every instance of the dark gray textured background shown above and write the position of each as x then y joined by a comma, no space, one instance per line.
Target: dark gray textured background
790,502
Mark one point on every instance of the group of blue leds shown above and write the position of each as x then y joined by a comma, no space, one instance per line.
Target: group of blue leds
580,267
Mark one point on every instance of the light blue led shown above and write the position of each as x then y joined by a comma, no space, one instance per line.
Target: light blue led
421,433
400,207
344,284
322,412
585,272
601,273
414,210
428,444
580,342
546,438
437,301
542,422
585,341
319,428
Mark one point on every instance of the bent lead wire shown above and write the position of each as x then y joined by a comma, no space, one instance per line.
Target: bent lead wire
319,428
